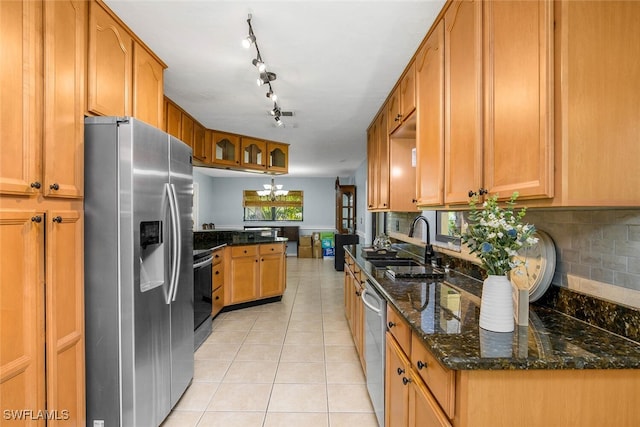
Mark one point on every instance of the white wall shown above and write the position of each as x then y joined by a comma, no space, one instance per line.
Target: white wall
220,200
363,217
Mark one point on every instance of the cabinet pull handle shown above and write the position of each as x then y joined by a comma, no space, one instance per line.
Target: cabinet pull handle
421,364
405,380
481,192
36,218
54,186
57,219
400,371
36,185
391,325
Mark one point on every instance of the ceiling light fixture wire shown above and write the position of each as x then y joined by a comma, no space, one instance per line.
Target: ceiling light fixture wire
265,77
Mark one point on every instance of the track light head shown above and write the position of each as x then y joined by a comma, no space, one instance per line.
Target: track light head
257,62
266,77
272,95
275,111
248,41
278,121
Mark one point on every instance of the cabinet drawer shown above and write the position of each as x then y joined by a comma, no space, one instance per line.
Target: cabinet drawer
440,380
400,330
248,250
218,301
271,248
217,275
217,256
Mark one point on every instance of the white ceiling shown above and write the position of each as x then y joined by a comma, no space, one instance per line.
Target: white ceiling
336,62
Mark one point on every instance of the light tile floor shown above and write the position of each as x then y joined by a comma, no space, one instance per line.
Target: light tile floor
284,364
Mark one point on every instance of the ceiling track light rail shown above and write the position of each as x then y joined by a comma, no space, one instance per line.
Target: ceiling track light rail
265,77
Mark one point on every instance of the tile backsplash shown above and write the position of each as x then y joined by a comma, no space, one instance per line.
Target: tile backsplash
598,251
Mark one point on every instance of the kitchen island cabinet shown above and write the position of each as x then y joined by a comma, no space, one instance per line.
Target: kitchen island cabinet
254,272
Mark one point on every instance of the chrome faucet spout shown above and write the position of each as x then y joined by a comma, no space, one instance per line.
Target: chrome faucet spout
428,250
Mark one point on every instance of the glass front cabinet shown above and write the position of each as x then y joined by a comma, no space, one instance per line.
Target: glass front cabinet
254,153
278,157
345,209
223,148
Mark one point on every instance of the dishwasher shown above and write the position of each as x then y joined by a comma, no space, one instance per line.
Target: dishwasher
375,321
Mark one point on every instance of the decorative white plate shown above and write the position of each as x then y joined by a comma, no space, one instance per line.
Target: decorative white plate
537,268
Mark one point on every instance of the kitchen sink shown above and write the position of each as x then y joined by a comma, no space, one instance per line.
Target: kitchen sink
393,262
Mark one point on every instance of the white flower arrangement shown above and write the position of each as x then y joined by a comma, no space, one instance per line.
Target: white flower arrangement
496,234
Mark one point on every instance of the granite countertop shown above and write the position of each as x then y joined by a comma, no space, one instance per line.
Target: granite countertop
444,314
213,238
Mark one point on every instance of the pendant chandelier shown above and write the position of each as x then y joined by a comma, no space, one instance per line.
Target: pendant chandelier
272,191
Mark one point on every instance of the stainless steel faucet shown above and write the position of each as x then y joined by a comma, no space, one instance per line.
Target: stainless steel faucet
428,250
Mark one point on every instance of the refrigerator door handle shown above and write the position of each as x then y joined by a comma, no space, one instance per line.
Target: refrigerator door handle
174,242
177,241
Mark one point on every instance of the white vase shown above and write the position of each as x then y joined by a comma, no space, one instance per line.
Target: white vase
496,306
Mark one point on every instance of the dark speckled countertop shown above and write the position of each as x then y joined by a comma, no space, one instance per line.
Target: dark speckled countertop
444,313
214,238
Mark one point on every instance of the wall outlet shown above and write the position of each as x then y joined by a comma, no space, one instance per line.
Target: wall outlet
98,423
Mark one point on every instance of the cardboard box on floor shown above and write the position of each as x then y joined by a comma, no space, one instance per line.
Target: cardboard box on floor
317,248
305,252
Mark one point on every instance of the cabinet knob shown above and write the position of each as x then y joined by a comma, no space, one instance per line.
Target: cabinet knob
54,186
35,185
36,218
217,297
421,364
405,380
57,219
391,325
357,293
400,371
481,192
217,272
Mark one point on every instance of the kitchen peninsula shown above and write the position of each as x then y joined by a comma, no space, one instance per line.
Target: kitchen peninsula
558,371
253,266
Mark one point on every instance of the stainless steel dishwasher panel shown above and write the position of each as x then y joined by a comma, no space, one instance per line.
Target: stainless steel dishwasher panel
375,309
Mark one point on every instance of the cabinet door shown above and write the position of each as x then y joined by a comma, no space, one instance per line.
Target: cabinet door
408,92
372,166
20,83
348,295
244,273
186,130
110,64
394,113
198,141
148,87
518,93
65,37
173,118
599,117
278,157
65,314
423,407
383,163
254,153
224,149
22,382
430,120
396,392
463,100
271,275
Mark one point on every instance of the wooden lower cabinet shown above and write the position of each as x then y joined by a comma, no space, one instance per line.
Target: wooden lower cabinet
42,316
396,378
217,282
254,272
354,310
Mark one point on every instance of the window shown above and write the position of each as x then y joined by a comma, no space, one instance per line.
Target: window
278,208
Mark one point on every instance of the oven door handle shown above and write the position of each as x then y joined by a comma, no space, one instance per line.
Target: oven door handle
364,301
203,263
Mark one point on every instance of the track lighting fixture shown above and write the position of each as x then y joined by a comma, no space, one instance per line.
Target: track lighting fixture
265,77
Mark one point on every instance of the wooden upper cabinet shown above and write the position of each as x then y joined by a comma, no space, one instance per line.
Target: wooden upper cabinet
463,100
598,120
148,87
199,142
372,169
278,157
20,109
254,153
172,118
186,129
403,100
382,163
65,45
430,119
224,149
518,94
110,64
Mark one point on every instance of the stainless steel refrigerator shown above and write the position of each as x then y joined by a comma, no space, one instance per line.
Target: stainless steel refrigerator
138,272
